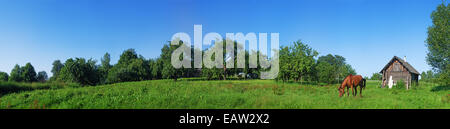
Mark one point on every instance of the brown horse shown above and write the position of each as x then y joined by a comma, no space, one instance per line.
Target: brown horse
352,81
347,83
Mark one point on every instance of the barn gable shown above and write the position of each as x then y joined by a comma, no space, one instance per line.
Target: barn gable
403,62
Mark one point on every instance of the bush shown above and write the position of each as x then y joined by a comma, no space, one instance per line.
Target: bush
400,84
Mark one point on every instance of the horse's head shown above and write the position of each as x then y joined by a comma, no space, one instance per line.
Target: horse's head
341,91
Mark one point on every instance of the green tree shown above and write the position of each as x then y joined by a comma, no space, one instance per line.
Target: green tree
80,71
104,68
130,67
140,69
325,71
42,76
156,68
57,66
438,42
16,74
214,72
128,56
348,69
105,61
428,76
376,76
303,60
423,76
120,71
3,76
29,74
285,64
168,71
340,68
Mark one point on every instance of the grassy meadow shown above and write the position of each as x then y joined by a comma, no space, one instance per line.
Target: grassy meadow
230,94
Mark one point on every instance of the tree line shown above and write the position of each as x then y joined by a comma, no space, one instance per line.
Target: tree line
297,63
24,74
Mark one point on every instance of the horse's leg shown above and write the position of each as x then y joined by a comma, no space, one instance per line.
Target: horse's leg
348,91
356,90
360,91
352,90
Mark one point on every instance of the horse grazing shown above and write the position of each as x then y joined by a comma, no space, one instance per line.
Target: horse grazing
352,81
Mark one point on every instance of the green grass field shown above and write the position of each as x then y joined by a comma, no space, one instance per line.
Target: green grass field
232,94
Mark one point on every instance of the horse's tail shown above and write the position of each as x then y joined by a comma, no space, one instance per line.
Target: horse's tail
364,80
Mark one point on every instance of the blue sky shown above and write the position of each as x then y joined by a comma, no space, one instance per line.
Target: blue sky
368,33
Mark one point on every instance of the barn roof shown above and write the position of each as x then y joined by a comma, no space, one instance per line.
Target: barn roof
403,62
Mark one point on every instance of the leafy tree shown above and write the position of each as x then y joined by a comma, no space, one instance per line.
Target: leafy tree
157,66
348,69
214,72
120,71
42,76
80,71
340,68
438,42
140,69
297,62
285,64
57,66
128,56
129,68
303,60
104,68
105,61
168,71
16,74
376,76
164,62
324,70
29,74
3,76
428,76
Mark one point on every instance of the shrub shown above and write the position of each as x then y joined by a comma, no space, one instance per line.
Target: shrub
400,84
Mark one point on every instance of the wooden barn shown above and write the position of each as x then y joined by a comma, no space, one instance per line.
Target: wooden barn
398,69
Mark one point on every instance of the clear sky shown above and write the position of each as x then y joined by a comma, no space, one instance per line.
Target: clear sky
368,33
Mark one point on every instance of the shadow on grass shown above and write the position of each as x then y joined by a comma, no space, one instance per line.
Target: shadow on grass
8,89
441,88
15,87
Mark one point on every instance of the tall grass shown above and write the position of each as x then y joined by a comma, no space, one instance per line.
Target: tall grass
230,94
